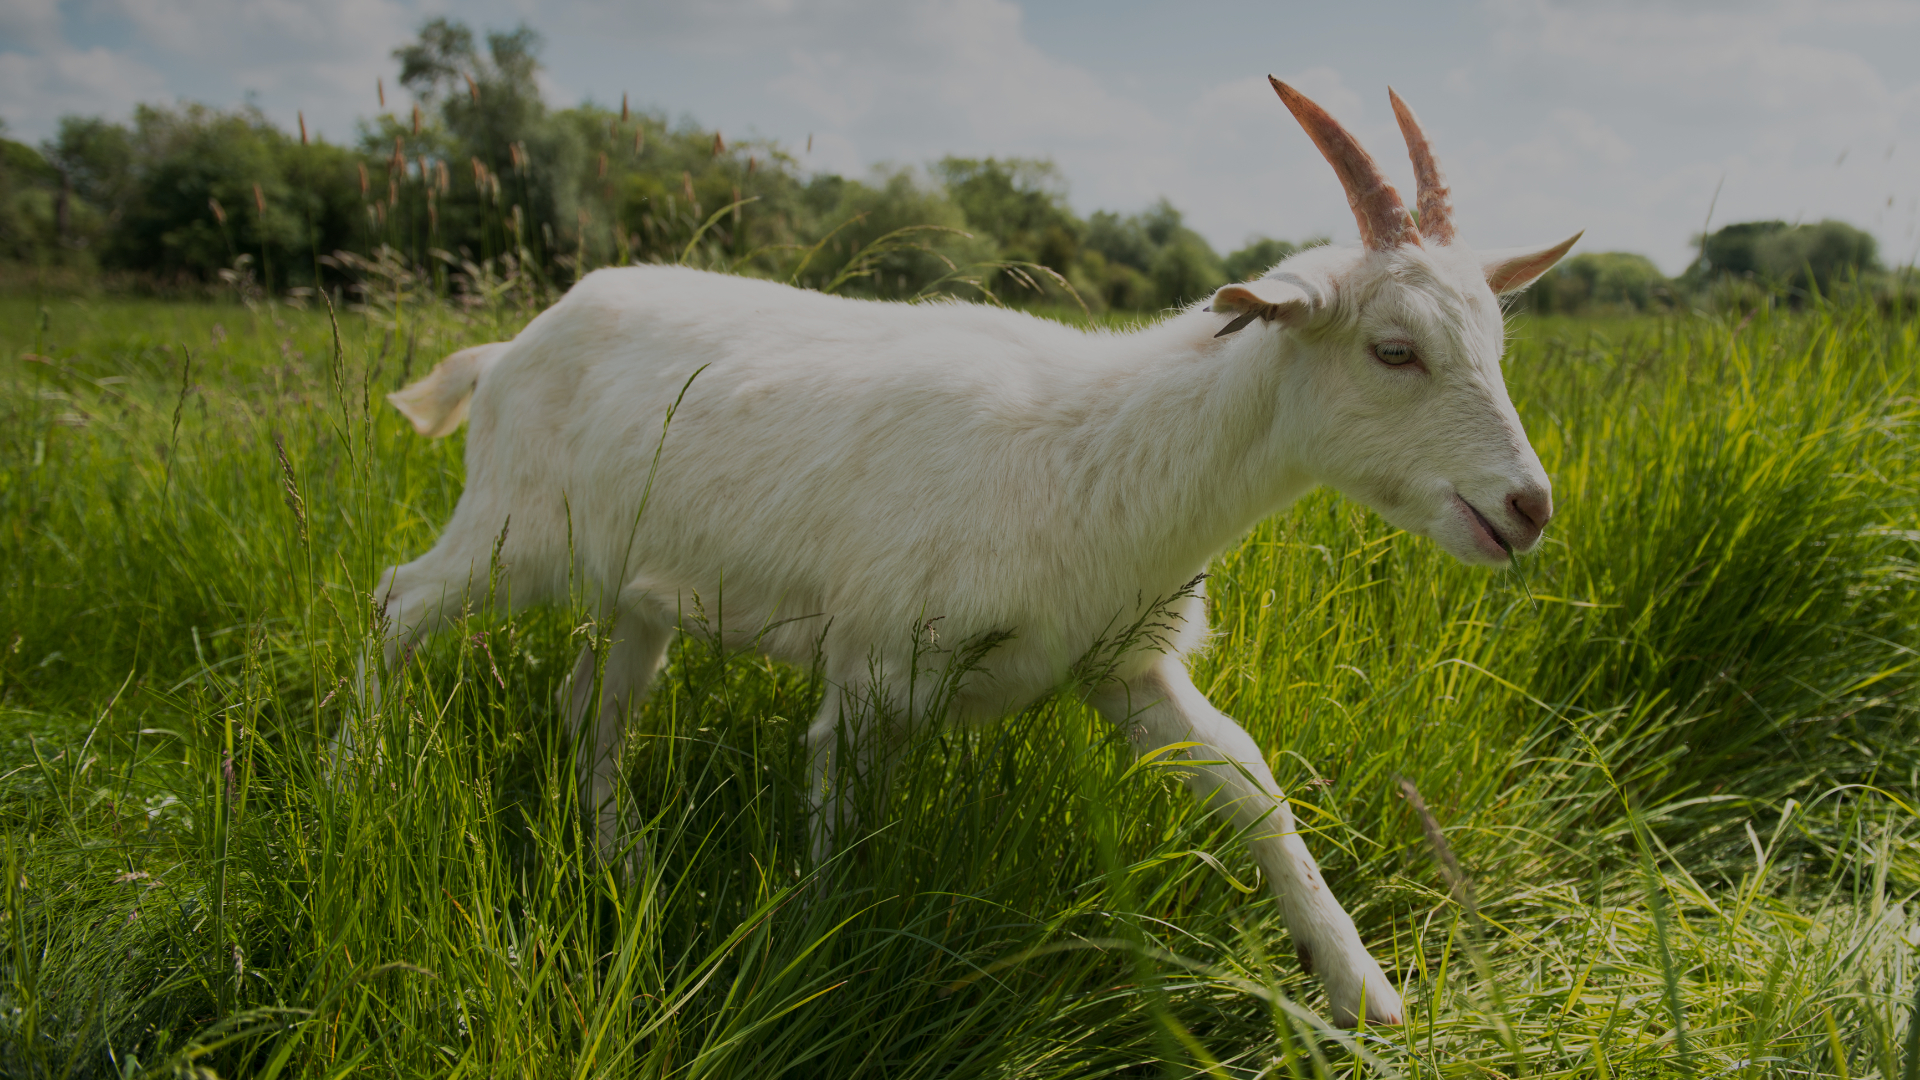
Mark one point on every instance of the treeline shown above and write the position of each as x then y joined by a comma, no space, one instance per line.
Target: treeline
1738,266
482,186
483,178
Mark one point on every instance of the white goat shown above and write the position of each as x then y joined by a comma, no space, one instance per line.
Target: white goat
877,464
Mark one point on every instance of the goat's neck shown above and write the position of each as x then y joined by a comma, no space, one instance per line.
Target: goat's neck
1185,445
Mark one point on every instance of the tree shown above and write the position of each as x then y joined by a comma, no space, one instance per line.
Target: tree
487,103
1779,255
1263,253
205,187
1151,260
1818,255
29,187
1618,280
1020,203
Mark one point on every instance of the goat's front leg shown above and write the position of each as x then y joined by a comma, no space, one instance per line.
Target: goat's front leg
1230,776
414,602
634,652
850,756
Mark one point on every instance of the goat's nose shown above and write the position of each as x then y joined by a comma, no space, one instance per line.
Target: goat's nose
1533,506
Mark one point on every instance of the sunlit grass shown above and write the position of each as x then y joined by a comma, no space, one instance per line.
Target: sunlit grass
1678,765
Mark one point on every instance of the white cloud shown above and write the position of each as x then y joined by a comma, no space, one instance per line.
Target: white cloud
1643,108
258,32
30,25
40,88
319,57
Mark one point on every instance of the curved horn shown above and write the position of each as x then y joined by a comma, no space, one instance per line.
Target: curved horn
1384,221
1434,198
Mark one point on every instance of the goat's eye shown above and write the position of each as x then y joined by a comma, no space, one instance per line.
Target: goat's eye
1394,353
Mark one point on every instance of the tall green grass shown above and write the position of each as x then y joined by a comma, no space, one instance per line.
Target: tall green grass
1674,754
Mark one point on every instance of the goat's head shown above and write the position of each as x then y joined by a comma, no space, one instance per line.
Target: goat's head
1396,356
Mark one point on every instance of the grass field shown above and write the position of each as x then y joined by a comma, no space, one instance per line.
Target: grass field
1675,755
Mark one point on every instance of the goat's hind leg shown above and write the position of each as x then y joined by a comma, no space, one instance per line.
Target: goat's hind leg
1230,775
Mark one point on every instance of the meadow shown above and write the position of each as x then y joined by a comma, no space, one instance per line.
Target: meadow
1672,755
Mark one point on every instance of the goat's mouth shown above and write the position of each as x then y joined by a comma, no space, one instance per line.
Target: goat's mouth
1485,536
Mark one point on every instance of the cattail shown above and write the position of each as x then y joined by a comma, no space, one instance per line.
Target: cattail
516,221
219,214
639,138
426,170
446,177
364,186
603,167
303,127
719,145
399,159
686,184
416,119
736,204
473,90
752,163
393,191
259,201
380,87
623,109
809,142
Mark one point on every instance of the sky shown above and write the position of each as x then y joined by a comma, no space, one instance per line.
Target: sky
1620,117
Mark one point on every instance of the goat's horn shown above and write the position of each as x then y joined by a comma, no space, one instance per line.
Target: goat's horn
1384,221
1434,198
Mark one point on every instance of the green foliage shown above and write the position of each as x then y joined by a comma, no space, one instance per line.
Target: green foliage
97,158
1150,260
29,204
196,212
1797,258
1020,203
1602,281
188,191
483,182
1261,254
1742,266
1677,760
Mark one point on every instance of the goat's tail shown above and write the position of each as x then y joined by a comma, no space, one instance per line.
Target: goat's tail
438,403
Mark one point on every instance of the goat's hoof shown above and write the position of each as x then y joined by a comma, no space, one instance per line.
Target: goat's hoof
1367,989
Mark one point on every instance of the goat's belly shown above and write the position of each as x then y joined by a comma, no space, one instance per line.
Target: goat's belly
972,664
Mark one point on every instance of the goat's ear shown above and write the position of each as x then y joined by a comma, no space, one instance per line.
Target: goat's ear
1263,298
1512,269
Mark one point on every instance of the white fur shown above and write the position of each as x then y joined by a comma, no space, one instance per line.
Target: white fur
841,471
